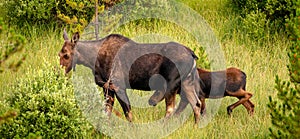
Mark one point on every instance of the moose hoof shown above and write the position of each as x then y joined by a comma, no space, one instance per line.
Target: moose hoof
229,111
129,116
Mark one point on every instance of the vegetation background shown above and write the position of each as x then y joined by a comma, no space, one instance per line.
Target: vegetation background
37,99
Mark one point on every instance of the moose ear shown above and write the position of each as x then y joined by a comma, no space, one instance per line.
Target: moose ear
75,38
65,35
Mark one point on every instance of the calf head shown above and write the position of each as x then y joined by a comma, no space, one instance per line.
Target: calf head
67,52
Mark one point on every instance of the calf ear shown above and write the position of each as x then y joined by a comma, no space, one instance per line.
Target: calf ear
65,35
75,38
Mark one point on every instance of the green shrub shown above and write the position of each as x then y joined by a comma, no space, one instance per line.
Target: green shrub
41,12
109,3
7,116
255,25
263,18
45,106
275,10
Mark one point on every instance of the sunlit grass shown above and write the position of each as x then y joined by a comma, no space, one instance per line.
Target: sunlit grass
261,60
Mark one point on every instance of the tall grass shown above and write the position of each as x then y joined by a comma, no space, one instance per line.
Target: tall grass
260,59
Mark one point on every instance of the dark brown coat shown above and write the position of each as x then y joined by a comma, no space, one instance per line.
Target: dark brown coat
218,84
119,63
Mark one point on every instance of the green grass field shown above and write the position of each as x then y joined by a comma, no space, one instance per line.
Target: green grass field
260,59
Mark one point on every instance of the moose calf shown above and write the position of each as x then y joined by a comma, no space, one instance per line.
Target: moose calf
232,80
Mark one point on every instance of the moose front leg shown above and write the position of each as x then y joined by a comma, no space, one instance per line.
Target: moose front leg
170,103
156,97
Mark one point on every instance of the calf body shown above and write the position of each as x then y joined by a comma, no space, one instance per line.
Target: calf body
231,80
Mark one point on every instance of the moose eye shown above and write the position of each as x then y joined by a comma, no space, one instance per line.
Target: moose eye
66,56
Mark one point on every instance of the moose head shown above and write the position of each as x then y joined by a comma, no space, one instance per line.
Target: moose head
67,53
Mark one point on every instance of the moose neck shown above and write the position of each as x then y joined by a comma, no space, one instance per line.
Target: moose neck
86,53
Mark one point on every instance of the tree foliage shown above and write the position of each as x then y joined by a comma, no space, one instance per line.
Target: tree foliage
285,111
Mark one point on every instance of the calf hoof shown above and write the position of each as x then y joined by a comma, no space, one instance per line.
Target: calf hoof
229,111
251,112
152,102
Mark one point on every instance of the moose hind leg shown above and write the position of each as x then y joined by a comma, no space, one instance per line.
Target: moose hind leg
189,93
109,101
124,102
243,95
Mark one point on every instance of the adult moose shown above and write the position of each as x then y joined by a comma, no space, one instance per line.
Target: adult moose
119,63
218,84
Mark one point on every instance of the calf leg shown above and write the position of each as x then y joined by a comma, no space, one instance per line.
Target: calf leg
249,106
203,106
251,109
243,95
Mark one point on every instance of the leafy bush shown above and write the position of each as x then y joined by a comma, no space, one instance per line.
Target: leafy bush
109,3
7,116
285,111
45,106
39,12
255,24
275,10
264,17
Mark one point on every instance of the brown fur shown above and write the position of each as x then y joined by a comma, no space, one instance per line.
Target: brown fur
110,60
231,80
